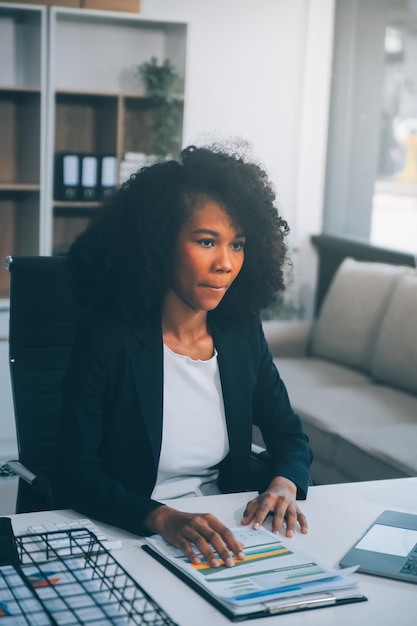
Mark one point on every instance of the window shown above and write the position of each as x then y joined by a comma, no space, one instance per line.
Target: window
371,174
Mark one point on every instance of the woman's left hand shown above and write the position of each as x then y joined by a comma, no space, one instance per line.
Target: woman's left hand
280,500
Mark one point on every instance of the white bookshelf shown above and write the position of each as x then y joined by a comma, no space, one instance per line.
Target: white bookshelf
23,83
96,100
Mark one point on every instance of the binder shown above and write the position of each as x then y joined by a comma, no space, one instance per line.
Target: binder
89,177
273,579
67,176
108,176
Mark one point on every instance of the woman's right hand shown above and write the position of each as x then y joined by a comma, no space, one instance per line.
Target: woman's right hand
203,531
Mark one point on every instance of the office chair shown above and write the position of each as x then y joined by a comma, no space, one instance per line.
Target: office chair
43,317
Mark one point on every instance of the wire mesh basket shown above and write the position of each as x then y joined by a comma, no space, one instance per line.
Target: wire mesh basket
68,577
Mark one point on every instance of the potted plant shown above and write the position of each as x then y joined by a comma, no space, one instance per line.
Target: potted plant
161,81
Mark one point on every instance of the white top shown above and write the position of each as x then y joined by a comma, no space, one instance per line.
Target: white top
194,435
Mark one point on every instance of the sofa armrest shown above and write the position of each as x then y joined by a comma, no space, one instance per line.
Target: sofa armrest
287,338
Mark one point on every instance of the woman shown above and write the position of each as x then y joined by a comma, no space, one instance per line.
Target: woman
170,367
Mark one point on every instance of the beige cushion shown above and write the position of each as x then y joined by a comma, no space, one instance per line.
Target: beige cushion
395,357
352,311
310,373
365,432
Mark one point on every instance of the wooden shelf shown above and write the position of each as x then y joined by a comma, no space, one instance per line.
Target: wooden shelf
19,187
86,123
119,94
65,204
20,136
16,89
98,94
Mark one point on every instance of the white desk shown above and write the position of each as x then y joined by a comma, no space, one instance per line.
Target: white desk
337,515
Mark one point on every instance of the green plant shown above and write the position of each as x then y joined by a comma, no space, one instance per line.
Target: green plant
161,83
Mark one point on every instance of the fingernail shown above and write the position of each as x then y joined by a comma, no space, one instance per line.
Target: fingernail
290,533
240,556
214,563
229,562
256,525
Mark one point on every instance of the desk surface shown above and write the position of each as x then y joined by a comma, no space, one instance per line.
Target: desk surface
337,516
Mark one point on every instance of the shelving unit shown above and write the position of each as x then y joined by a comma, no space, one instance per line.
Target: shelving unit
22,124
96,98
69,84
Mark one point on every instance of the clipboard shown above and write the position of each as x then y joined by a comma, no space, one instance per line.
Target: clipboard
287,605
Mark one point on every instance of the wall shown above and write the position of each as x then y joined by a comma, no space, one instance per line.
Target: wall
245,62
355,115
261,71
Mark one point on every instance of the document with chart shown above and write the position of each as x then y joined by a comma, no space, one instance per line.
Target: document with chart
273,578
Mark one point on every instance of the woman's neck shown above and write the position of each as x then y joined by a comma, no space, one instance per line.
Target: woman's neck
185,331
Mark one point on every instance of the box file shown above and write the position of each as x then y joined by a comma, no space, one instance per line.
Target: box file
108,176
89,177
67,176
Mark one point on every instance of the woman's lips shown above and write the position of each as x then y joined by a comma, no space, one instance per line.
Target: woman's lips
215,287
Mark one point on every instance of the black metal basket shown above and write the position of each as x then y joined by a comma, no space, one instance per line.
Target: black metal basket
69,577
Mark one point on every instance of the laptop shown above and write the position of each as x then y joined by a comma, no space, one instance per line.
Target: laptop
388,548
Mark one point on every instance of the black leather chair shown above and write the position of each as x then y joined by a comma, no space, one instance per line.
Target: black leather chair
43,317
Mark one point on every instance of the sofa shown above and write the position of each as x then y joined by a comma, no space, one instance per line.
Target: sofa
351,373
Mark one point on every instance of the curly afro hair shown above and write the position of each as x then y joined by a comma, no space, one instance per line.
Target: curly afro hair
123,259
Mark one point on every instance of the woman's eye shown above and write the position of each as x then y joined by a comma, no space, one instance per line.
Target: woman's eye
238,245
206,243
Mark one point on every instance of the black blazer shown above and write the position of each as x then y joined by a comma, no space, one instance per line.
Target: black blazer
111,427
